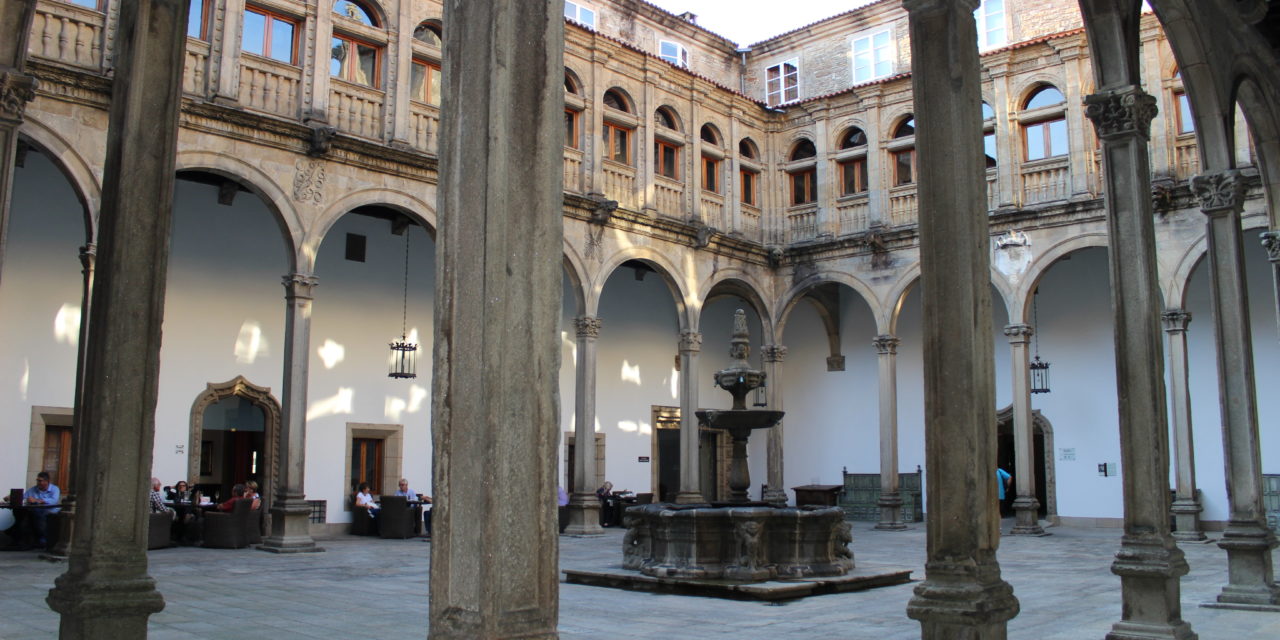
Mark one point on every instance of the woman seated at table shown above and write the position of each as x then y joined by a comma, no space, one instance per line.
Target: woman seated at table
181,492
365,501
251,491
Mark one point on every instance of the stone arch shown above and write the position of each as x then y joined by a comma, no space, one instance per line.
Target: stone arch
794,142
260,397
577,278
257,182
1041,425
1032,84
797,292
1263,118
673,114
1041,264
1209,98
844,128
572,77
735,282
419,210
625,98
686,305
74,167
898,293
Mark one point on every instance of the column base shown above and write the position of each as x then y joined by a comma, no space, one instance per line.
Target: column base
1136,631
1248,545
290,528
1027,510
690,497
64,521
958,601
890,512
774,496
104,608
1186,515
584,515
1149,568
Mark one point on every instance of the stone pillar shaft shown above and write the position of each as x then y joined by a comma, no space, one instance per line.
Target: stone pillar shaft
16,90
890,501
1186,508
290,513
1271,242
690,480
1247,539
1149,563
962,595
584,506
106,591
495,394
1025,503
776,491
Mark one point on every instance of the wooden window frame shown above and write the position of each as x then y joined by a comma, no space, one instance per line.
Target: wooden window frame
431,67
206,12
358,449
808,193
660,166
60,471
711,174
750,187
1048,139
379,50
610,132
573,128
898,180
271,16
1182,126
859,167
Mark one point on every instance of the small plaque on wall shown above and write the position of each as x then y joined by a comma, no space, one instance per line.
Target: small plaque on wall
642,459
1067,454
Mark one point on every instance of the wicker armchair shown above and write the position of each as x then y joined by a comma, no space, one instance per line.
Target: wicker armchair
361,523
253,526
159,527
396,519
227,530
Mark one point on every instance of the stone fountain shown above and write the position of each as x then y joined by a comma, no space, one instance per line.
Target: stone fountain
738,540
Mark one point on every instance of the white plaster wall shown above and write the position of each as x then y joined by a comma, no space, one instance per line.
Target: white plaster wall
40,298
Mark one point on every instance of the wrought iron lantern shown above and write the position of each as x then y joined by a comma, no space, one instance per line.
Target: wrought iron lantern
403,362
761,399
1039,368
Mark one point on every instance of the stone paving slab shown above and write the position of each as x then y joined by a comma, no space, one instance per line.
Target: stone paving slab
372,588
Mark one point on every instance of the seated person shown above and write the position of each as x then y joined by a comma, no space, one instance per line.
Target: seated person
251,491
364,500
237,492
181,492
35,521
157,500
405,491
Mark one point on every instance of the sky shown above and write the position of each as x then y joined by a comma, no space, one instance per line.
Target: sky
749,21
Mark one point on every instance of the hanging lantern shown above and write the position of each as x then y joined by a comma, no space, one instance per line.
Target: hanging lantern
761,400
1039,375
403,362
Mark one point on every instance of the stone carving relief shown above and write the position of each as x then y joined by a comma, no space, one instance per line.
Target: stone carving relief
16,90
595,243
308,181
690,341
841,538
776,254
835,363
873,240
1271,242
587,326
636,545
886,344
299,285
321,137
1175,320
773,352
1012,238
603,209
1019,333
1219,191
702,235
1121,112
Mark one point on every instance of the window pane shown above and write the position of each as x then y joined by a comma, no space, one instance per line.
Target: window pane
1045,97
748,188
989,148
902,168
195,19
881,39
1186,123
418,82
255,32
571,11
849,182
367,73
354,11
669,162
282,40
1035,142
1058,138
433,86
883,68
587,17
338,61
620,152
797,188
792,93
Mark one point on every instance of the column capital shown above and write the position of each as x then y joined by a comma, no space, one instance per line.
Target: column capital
1121,112
773,352
690,341
16,90
1175,320
929,7
1271,242
886,344
299,285
587,326
1019,333
1220,192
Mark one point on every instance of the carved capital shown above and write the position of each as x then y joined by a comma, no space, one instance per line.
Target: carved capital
1019,333
690,342
1121,112
773,352
16,90
588,327
1220,192
885,344
1271,242
299,285
1175,320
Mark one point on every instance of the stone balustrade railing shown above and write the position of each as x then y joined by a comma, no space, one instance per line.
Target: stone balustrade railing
355,109
902,205
424,127
749,223
853,214
195,68
620,184
668,196
802,223
68,34
573,170
713,212
270,86
1186,157
1046,181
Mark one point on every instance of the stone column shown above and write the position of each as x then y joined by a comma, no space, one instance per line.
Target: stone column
495,393
584,506
962,595
16,90
1247,539
1271,242
1186,508
1149,563
106,592
690,489
776,491
290,513
66,524
1025,504
890,497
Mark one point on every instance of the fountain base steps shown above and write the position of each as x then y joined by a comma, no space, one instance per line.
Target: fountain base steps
859,578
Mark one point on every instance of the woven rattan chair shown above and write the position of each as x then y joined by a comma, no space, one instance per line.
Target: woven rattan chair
227,530
396,519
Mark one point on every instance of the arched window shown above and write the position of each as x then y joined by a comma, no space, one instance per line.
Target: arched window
354,55
804,179
429,32
853,138
989,134
572,114
853,165
614,100
749,176
1186,123
803,149
1044,123
666,150
747,149
665,117
357,11
711,157
709,134
616,136
904,152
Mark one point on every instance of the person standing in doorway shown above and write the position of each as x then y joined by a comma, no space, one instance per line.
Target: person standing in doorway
1004,482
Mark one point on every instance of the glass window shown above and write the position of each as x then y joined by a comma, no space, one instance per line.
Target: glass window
1046,139
198,19
710,174
664,118
355,11
709,135
782,82
429,33
987,112
614,100
571,131
664,159
990,19
853,176
366,463
803,189
853,138
989,148
616,141
673,52
425,84
92,4
269,34
1046,96
904,164
354,61
1186,122
906,129
749,180
746,148
803,149
579,13
872,57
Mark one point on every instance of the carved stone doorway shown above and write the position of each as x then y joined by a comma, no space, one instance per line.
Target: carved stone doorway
715,450
1042,462
235,435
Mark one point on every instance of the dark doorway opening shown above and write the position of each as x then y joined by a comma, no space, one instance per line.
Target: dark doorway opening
1006,460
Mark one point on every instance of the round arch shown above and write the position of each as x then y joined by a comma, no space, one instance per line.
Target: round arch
258,183
260,397
797,292
734,282
686,306
1041,264
73,166
577,275
1031,85
417,209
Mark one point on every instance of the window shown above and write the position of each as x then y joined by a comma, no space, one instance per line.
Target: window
1186,122
673,52
904,158
614,100
853,138
270,34
666,118
853,176
989,148
709,135
750,180
580,14
1045,137
616,142
57,455
571,128
782,82
872,57
803,187
366,463
425,83
665,158
92,4
429,33
710,174
356,11
803,149
355,61
747,149
198,21
990,19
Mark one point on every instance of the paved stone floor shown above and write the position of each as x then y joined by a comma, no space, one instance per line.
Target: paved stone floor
372,588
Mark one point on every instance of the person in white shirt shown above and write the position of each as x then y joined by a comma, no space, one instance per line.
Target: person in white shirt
365,501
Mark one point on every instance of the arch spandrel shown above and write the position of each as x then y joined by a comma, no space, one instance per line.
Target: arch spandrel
407,203
73,166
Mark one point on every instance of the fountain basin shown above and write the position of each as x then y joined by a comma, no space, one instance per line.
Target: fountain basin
740,542
739,419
